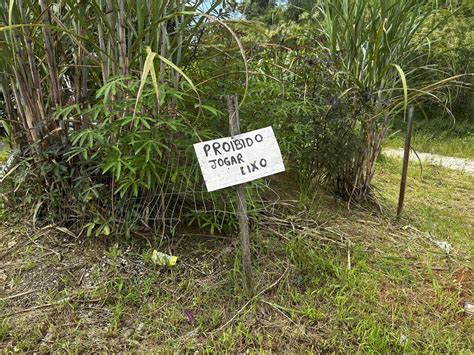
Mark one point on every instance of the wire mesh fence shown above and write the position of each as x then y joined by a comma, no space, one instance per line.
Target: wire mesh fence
178,198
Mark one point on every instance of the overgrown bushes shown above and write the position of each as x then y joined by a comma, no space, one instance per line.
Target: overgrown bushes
106,118
106,98
345,71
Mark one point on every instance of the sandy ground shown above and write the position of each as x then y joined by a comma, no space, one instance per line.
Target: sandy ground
435,159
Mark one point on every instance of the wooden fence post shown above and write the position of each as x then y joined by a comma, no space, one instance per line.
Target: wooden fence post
234,128
406,156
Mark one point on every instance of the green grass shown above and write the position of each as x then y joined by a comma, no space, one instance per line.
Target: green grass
438,200
400,293
438,136
4,330
5,152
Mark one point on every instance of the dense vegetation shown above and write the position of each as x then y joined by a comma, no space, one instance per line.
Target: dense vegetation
104,99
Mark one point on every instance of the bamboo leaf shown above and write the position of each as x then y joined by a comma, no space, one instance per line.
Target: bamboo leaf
405,87
10,12
172,65
148,66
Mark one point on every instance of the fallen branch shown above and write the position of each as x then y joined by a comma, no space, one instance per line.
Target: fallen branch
52,304
18,295
45,248
305,227
280,309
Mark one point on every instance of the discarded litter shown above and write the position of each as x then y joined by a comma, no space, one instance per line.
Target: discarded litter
444,245
163,259
469,308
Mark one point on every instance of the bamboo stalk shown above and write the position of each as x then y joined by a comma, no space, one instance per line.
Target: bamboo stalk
32,74
52,65
163,46
123,60
37,92
24,96
180,42
103,57
50,55
22,114
77,76
81,76
111,48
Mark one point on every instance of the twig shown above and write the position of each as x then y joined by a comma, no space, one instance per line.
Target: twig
349,256
47,305
15,247
78,283
252,299
280,309
58,228
195,268
44,248
18,295
419,160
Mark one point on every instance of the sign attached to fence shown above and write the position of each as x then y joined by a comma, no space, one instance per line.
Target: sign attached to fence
234,160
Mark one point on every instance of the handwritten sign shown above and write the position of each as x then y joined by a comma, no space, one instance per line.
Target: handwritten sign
234,160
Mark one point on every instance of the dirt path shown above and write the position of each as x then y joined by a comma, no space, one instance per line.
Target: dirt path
435,159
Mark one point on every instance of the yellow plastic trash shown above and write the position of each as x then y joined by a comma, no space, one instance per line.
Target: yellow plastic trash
163,259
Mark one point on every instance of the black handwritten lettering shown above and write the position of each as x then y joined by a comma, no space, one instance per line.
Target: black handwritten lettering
216,146
229,161
238,144
207,148
254,166
242,170
263,162
258,138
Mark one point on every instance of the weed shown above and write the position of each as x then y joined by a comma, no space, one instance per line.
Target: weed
5,330
398,294
117,314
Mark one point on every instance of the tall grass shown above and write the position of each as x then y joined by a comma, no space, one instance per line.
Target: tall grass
382,63
55,54
97,96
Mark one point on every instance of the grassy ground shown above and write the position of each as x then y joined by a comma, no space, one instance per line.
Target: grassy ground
327,279
438,136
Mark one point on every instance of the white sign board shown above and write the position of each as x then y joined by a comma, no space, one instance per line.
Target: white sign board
234,160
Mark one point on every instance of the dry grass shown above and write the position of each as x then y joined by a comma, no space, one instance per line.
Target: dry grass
329,279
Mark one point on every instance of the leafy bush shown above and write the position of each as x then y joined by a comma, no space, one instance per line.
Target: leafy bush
105,129
344,72
128,173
